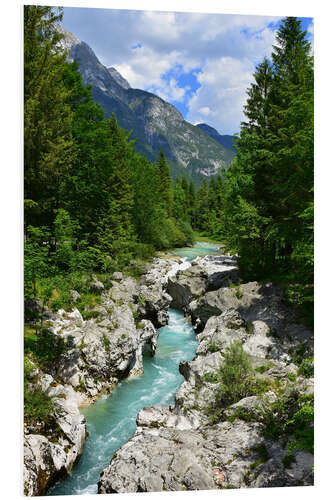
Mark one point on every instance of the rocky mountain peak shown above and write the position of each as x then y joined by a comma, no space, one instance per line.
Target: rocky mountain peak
155,123
69,40
119,79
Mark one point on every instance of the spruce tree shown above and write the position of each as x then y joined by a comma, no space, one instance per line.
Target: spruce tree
48,145
165,183
268,192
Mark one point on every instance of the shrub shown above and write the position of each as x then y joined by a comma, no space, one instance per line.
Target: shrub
291,377
86,315
236,375
261,369
213,347
45,347
306,368
210,377
187,231
291,416
37,405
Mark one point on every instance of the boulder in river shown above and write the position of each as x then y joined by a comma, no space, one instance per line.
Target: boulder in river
204,273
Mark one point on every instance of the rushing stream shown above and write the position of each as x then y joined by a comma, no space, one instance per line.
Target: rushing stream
111,420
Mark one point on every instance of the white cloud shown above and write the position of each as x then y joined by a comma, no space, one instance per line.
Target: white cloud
148,48
146,67
222,94
205,111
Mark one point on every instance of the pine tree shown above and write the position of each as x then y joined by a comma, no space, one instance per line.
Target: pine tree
202,207
268,192
48,145
165,183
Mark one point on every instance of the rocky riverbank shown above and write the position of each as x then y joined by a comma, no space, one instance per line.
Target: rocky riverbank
204,441
99,352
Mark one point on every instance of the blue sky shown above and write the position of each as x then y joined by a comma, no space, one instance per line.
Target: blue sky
201,63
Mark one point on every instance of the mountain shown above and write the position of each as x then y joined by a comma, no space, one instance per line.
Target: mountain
227,141
154,123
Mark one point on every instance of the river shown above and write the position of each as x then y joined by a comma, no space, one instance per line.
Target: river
111,420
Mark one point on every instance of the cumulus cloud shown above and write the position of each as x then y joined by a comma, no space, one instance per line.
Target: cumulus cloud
222,94
145,67
152,50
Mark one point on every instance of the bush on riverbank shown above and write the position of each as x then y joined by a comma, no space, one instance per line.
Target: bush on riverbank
37,404
290,415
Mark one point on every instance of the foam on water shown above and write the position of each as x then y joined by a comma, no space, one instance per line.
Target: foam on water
111,421
200,249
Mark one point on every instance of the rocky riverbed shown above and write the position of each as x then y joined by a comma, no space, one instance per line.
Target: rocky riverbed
184,446
188,447
99,352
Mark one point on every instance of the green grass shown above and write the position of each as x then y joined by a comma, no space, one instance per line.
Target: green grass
86,315
306,368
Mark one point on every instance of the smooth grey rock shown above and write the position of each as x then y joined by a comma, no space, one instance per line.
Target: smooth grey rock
117,275
153,304
97,285
45,460
252,405
187,285
75,295
205,273
221,270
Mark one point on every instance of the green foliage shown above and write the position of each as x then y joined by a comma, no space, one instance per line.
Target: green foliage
236,375
297,354
236,380
263,456
210,377
261,369
166,184
44,346
291,416
92,204
213,347
288,459
37,405
36,258
106,342
86,315
265,210
48,145
241,414
306,368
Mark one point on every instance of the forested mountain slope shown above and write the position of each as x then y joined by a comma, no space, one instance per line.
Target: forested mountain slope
227,141
155,124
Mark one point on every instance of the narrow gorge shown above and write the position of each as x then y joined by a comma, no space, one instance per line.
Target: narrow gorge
159,433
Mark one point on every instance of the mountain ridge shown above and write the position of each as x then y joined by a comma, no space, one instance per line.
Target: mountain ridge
228,141
154,123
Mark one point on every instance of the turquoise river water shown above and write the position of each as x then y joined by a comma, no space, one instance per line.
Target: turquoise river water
111,420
